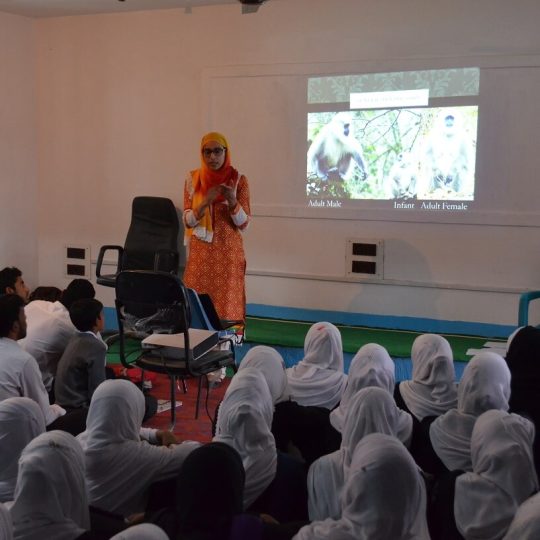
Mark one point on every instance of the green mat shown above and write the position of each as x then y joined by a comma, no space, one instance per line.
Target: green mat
398,343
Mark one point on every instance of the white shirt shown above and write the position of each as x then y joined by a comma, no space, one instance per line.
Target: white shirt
20,376
49,331
119,466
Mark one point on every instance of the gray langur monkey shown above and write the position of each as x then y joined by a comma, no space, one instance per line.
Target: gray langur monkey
401,180
447,157
335,151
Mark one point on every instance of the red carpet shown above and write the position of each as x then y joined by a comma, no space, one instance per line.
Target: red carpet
187,427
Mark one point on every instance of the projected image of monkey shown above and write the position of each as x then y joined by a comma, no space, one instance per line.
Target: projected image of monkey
401,180
335,153
447,159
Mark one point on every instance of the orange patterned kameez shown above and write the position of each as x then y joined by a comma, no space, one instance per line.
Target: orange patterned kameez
218,268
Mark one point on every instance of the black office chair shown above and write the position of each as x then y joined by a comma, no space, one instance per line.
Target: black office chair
151,242
150,302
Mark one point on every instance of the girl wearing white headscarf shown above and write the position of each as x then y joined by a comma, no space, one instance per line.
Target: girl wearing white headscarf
371,410
6,526
485,385
371,366
384,497
318,379
526,522
21,420
307,429
144,531
432,390
50,497
119,466
243,422
503,475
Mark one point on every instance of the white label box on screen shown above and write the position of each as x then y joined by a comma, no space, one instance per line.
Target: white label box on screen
172,345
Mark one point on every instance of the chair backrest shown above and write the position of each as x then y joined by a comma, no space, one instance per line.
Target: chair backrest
154,227
152,302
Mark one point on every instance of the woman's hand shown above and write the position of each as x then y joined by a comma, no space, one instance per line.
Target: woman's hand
229,194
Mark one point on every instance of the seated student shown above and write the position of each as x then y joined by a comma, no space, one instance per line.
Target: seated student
50,328
275,483
523,359
371,366
371,410
384,496
12,282
318,379
143,531
481,504
50,497
526,522
296,428
485,385
81,368
120,467
21,420
432,390
19,372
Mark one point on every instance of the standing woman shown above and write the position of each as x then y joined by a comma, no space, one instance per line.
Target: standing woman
216,210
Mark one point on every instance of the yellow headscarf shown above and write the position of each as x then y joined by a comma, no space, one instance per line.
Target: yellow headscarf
205,178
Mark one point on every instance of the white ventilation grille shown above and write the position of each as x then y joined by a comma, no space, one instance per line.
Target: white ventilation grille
364,258
77,261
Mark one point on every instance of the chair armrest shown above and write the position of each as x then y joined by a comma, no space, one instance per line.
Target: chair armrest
102,251
524,300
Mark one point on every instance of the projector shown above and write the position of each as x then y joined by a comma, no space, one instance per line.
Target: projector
251,6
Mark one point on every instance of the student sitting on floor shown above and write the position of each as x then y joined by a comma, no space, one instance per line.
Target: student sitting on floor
21,420
81,368
296,428
318,379
19,372
384,497
371,410
485,385
120,467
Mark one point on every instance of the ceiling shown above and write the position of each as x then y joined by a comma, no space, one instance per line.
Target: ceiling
60,8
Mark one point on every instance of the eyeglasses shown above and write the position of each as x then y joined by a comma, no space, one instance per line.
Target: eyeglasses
207,152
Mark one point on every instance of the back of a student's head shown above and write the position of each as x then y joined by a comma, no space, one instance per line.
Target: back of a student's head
8,278
78,289
10,310
84,314
50,294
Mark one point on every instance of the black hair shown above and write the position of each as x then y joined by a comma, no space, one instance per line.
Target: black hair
10,309
84,313
78,289
8,277
51,294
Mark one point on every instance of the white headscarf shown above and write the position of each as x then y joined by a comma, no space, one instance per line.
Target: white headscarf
119,466
503,475
244,421
318,379
6,526
371,410
432,390
371,366
526,522
144,531
50,497
485,385
21,420
270,363
384,497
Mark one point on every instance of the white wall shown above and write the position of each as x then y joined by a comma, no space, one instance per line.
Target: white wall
122,101
18,237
